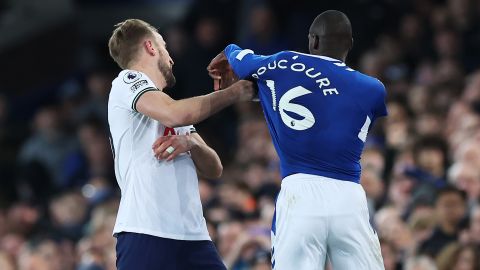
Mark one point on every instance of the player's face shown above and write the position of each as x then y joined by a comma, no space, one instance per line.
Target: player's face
165,62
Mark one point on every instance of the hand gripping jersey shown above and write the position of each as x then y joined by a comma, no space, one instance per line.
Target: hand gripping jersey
318,110
159,198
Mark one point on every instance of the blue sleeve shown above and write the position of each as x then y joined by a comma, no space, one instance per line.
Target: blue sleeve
380,106
244,62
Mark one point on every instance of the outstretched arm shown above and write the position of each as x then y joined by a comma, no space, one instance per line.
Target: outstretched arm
175,113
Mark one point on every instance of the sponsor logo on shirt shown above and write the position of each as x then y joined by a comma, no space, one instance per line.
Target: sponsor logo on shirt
138,85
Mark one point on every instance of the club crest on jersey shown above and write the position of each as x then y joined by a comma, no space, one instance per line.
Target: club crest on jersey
131,76
138,85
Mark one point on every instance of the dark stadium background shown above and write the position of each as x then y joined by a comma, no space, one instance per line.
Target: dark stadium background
421,166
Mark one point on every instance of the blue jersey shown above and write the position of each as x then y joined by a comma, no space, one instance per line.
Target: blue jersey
318,110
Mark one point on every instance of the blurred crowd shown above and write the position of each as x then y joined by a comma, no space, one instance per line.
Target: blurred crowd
420,167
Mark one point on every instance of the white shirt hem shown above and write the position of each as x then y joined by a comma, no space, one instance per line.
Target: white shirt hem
196,237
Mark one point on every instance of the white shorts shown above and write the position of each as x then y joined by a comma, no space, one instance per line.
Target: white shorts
316,217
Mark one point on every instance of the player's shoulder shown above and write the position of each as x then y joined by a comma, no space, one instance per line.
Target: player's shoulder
371,83
132,80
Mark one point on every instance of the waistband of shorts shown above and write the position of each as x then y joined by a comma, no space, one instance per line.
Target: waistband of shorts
303,177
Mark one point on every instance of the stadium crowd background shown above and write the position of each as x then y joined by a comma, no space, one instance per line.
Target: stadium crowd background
421,165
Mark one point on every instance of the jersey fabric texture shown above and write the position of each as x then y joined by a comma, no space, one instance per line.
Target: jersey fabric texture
158,198
318,109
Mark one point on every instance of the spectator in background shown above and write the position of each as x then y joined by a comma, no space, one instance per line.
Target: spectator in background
450,210
68,212
48,146
263,37
419,263
41,254
458,257
6,262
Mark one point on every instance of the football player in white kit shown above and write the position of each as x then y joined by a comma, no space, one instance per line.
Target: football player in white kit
160,224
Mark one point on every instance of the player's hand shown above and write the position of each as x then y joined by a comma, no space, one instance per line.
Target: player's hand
179,143
221,72
246,90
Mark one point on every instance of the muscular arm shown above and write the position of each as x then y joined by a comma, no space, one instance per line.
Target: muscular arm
175,113
205,158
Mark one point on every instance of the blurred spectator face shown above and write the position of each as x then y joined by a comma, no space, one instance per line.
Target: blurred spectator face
466,177
447,44
431,160
11,244
373,158
255,175
400,190
373,64
6,262
429,124
461,11
420,263
44,256
447,71
396,125
372,183
99,84
421,223
228,234
262,22
439,17
47,122
176,40
208,32
450,208
70,209
411,27
22,218
466,259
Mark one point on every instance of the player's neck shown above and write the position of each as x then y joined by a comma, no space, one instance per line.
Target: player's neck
334,55
153,74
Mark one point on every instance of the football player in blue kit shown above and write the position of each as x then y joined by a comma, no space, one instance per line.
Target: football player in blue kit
319,112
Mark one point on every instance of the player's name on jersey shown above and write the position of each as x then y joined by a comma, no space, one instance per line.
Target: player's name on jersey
297,66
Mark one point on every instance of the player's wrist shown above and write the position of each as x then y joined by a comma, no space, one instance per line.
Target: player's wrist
192,142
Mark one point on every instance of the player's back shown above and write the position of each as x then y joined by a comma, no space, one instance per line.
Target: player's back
318,110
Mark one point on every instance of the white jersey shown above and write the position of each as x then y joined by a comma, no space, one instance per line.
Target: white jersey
159,198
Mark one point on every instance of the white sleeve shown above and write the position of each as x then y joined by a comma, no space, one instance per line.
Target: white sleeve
131,86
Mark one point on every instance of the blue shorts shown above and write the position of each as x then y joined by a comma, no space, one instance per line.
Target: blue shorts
145,252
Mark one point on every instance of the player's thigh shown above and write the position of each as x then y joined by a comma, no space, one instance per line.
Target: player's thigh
146,252
353,244
200,255
298,232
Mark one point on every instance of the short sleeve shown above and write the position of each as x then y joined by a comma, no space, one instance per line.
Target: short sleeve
131,86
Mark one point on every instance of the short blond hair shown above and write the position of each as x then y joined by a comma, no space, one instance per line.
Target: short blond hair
126,39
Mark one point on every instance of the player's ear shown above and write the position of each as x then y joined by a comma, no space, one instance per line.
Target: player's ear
351,44
148,44
316,42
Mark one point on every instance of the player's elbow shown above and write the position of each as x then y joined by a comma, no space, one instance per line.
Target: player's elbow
214,172
218,171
